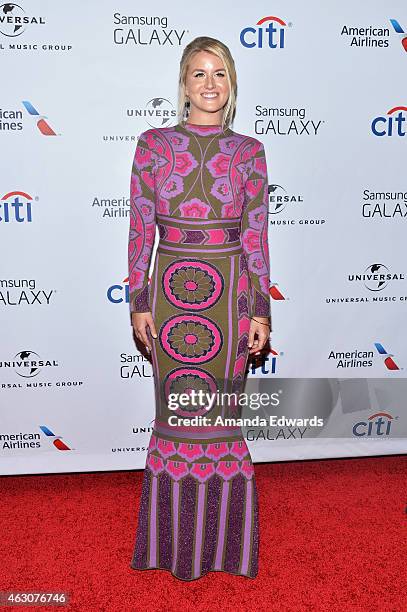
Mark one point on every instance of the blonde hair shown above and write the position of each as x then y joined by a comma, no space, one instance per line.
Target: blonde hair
212,45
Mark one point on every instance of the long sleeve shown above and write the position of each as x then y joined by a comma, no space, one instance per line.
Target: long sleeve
254,227
142,222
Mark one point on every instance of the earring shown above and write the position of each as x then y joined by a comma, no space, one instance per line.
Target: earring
187,106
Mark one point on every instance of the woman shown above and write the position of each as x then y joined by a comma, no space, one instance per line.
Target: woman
206,310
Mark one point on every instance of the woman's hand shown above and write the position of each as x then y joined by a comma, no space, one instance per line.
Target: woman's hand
143,321
263,334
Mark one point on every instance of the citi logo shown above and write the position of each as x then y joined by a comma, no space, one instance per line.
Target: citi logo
269,32
392,123
263,364
16,207
378,424
120,292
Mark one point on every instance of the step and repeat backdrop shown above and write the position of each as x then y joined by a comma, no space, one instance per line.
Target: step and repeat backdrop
321,84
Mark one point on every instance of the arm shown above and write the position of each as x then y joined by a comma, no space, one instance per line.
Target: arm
254,228
142,223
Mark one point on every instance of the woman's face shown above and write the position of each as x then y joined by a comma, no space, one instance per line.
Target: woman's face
207,87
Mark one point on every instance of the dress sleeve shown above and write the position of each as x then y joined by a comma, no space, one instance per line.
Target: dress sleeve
142,222
254,229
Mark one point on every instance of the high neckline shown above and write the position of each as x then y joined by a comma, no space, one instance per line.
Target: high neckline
202,129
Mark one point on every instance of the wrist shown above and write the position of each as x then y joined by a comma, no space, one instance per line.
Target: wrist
262,321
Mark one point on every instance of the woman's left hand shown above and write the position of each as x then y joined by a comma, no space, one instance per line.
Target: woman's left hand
263,334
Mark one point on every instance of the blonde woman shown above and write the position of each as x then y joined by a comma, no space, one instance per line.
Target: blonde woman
205,311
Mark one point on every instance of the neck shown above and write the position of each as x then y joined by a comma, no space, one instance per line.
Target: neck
197,120
207,129
190,122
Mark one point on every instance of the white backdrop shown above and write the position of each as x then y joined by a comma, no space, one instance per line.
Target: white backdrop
321,84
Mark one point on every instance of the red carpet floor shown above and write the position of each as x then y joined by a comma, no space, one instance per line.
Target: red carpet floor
333,537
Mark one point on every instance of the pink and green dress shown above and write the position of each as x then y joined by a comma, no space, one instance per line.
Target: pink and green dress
206,190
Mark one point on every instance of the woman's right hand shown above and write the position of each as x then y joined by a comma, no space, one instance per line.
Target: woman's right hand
143,321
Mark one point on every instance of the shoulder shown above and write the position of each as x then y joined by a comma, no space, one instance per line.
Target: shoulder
144,135
155,131
248,140
150,136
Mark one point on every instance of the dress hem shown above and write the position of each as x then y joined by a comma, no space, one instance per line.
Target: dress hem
166,569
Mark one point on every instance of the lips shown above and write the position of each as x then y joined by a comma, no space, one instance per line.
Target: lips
209,96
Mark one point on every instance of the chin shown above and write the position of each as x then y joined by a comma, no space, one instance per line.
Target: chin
209,108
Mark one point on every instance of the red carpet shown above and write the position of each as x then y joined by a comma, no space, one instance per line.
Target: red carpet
333,537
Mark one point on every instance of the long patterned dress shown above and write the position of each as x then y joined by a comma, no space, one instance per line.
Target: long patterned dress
206,188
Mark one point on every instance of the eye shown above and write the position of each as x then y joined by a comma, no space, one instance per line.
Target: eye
221,74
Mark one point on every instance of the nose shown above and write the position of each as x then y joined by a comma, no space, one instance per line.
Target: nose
209,82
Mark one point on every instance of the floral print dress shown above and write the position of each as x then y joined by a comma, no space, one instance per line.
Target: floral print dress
206,190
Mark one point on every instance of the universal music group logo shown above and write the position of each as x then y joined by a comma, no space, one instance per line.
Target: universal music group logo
15,21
